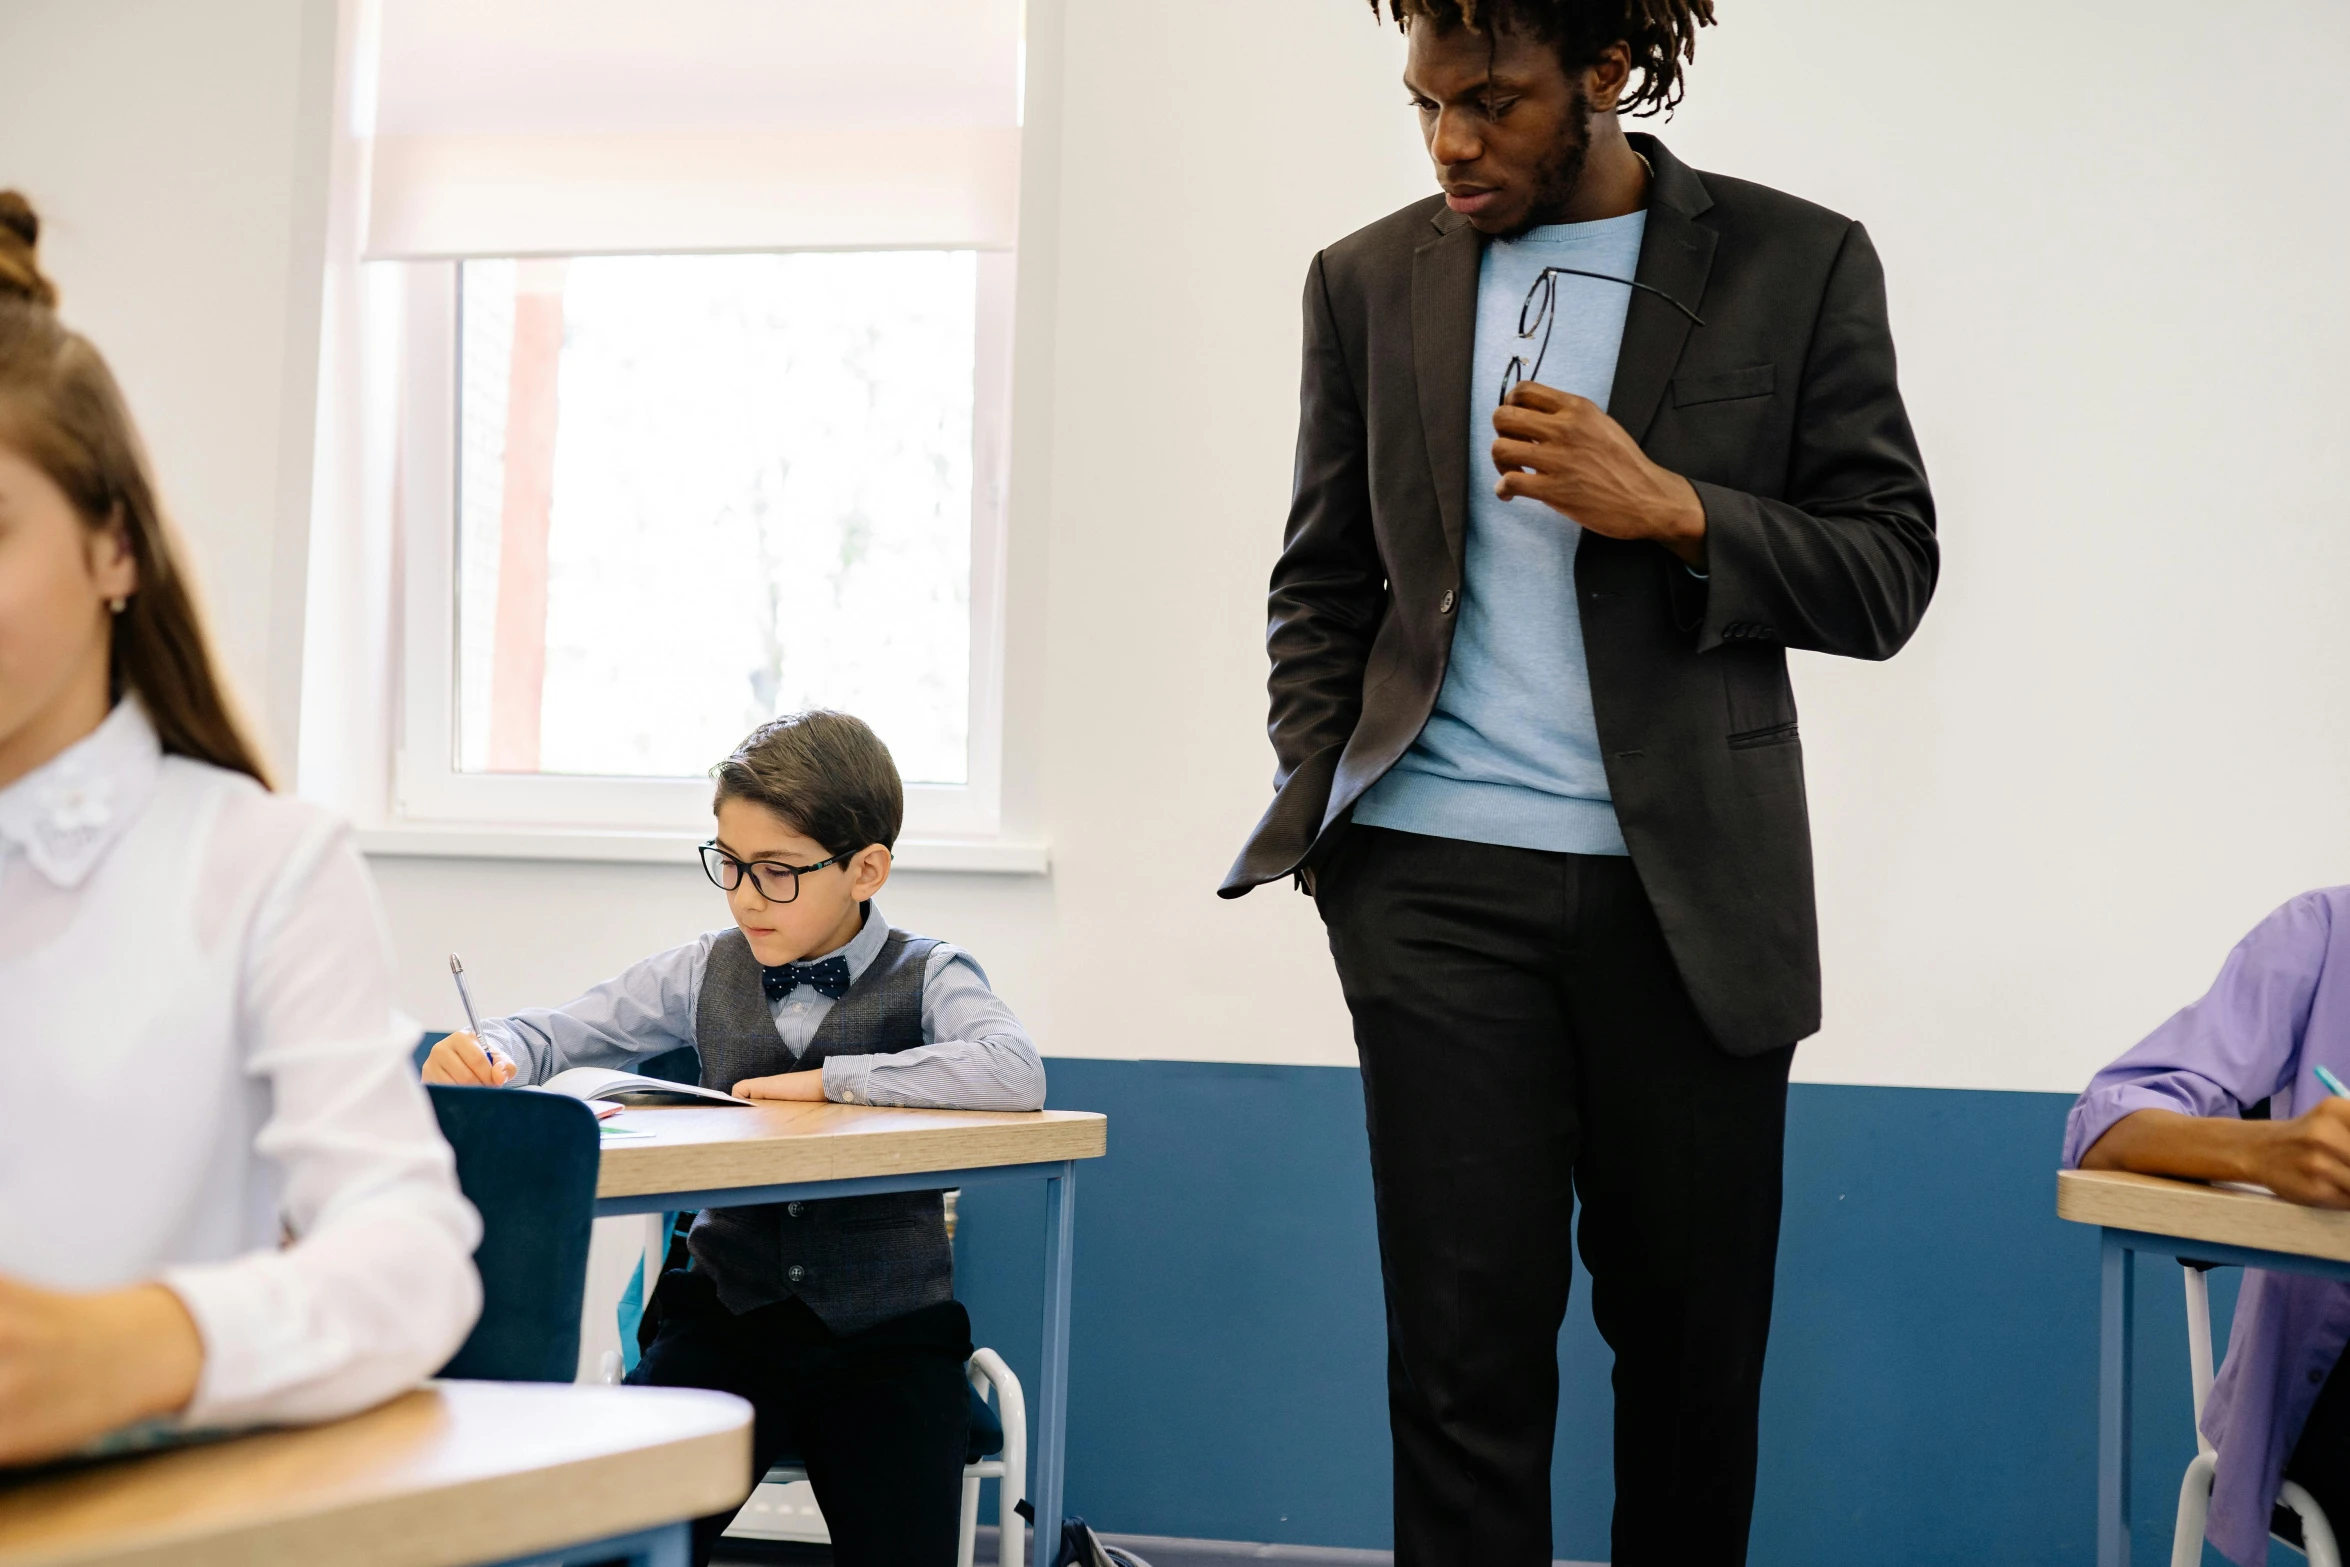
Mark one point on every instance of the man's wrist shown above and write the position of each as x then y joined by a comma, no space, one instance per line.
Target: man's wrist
1683,531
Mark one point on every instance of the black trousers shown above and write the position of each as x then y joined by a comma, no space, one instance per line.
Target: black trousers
1525,1041
880,1418
2321,1458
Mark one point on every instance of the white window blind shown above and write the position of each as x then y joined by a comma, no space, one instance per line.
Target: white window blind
511,128
526,195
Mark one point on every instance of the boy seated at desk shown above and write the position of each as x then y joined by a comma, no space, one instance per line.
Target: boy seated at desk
2175,1104
836,1319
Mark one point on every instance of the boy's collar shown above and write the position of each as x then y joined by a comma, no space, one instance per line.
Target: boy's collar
861,949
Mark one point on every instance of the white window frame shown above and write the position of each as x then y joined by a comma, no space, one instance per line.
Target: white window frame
428,790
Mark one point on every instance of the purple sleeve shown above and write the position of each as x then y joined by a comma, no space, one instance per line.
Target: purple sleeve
2237,1046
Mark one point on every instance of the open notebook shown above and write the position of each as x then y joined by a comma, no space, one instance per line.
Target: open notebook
596,1082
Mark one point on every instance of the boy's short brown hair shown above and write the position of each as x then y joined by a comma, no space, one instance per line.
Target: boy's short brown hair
825,773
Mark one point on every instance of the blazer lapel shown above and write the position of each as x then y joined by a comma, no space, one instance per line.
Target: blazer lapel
1676,255
1444,334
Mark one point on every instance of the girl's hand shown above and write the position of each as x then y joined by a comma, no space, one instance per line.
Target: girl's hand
76,1366
461,1059
808,1085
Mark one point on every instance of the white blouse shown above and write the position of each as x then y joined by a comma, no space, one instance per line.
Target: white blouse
203,1080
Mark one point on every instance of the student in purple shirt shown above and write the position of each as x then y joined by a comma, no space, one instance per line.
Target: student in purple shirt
2175,1105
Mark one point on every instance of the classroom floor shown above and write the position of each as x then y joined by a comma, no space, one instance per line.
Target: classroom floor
764,1553
1157,1551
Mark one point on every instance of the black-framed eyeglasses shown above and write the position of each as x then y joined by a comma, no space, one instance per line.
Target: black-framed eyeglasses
776,881
1540,311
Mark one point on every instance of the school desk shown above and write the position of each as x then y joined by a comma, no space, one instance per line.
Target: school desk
727,1156
2146,1213
452,1475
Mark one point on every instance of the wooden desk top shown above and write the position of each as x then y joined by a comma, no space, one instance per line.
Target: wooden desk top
697,1148
457,1473
2159,1206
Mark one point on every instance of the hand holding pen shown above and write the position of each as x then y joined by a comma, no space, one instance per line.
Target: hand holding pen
2307,1159
467,1060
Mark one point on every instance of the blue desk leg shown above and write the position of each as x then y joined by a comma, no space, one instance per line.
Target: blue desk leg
2115,1310
1052,1426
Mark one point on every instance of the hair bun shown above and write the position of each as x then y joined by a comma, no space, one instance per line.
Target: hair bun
20,240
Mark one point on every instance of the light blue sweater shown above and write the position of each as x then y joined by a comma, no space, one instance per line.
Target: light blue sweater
1511,753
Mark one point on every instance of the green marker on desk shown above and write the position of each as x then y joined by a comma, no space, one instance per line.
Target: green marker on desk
2333,1083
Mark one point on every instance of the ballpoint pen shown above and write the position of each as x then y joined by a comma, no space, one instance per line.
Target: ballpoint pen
496,1058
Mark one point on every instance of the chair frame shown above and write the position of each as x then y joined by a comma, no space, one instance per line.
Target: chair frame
2186,1550
1009,1468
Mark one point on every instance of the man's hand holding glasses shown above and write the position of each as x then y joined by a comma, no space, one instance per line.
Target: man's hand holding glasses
1565,452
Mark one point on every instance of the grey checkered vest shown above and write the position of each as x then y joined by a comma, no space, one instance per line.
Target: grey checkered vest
856,1261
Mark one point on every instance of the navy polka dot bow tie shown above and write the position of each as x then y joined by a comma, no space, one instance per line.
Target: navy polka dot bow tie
828,975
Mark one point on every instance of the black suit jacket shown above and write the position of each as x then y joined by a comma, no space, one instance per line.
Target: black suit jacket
1782,409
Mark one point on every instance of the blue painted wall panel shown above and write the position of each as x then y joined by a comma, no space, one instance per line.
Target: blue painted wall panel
1931,1396
1932,1381
1229,1342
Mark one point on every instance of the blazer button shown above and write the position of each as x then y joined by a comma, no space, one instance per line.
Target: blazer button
796,1209
1444,604
796,1273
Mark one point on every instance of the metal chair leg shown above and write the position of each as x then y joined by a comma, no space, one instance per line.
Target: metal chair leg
2186,1541
2317,1532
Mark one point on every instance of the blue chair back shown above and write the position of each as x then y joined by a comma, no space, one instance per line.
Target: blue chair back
528,1163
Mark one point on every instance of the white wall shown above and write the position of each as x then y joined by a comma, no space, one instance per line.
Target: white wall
2124,733
173,153
2120,737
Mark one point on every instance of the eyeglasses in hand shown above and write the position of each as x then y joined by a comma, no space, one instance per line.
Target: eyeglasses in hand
1540,311
776,881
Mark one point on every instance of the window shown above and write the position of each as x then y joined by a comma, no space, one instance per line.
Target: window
696,491
693,429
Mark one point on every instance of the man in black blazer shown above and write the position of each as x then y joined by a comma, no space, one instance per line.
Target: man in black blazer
1587,984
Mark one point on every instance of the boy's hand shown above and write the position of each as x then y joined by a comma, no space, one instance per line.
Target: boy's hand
465,1061
806,1085
77,1366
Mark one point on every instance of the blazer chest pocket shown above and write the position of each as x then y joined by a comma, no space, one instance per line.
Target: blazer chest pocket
1725,386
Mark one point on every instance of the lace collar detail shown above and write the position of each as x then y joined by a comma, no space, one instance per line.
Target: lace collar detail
66,813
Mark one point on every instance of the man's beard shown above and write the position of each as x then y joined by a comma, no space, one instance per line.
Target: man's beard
1555,180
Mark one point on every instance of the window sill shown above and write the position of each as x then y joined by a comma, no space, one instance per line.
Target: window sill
964,856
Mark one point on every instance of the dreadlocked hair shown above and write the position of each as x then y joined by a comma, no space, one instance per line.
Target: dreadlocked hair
1660,33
